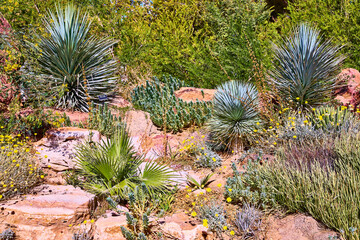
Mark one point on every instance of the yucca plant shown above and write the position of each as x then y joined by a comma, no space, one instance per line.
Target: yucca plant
75,61
305,68
235,114
203,183
111,167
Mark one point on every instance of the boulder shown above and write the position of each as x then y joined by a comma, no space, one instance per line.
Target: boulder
57,149
109,228
299,227
47,212
349,90
189,94
139,123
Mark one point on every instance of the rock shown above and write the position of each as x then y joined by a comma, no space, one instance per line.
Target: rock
189,94
47,213
298,227
349,92
173,229
109,228
140,124
120,102
57,149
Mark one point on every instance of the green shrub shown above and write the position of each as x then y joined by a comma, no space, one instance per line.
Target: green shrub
111,166
75,61
305,68
166,110
324,188
208,159
330,117
335,19
215,217
102,120
37,122
18,172
235,114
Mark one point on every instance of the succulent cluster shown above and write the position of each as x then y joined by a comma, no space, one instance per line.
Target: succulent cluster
166,110
103,120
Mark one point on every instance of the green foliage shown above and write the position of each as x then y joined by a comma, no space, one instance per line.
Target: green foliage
305,68
330,117
208,159
73,59
202,184
166,110
140,206
112,166
321,184
102,120
35,122
248,187
19,173
235,114
337,20
215,215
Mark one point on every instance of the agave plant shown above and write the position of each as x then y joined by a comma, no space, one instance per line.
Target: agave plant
305,68
71,58
112,167
235,114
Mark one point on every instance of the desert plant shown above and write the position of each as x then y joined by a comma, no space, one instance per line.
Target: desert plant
330,117
18,171
208,159
112,165
305,68
166,110
141,206
203,183
7,234
234,115
102,120
248,220
215,217
75,61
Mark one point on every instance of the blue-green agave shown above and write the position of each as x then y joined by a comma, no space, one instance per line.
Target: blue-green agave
68,52
235,114
305,67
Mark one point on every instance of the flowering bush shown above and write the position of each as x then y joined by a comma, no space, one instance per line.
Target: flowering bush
18,171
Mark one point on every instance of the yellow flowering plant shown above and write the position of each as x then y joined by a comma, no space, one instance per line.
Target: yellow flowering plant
18,170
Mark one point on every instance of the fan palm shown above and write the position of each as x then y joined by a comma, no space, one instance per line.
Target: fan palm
112,166
70,57
235,113
305,67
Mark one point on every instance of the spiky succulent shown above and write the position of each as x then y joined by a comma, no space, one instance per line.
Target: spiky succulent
235,114
305,67
73,59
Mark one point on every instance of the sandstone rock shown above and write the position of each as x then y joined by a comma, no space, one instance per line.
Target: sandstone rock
173,229
120,102
47,213
140,124
349,92
299,227
189,94
57,149
109,228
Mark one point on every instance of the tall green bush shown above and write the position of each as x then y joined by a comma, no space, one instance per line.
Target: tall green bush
336,19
